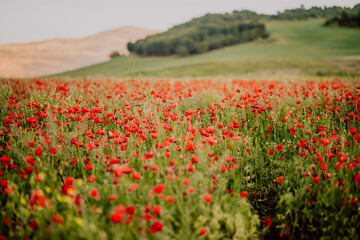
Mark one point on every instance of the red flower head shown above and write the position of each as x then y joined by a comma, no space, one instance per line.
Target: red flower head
357,178
38,151
157,209
267,221
156,227
203,231
136,176
207,198
94,193
52,150
243,194
116,217
324,142
280,147
292,131
158,188
316,179
57,219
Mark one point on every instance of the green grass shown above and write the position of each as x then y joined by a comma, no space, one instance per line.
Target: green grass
295,48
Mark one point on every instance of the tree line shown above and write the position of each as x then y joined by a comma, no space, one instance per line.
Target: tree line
197,38
346,18
213,31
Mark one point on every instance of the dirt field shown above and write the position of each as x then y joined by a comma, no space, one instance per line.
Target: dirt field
57,55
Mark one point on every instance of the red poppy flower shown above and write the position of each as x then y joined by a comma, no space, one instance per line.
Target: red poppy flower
157,210
156,227
280,147
243,194
38,151
89,167
116,218
158,188
357,178
69,181
3,183
292,131
207,198
316,179
34,225
170,199
203,231
186,181
52,150
112,198
94,193
133,187
267,221
323,167
57,219
324,142
136,176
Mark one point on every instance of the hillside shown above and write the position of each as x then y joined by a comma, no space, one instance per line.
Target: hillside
217,30
58,55
305,48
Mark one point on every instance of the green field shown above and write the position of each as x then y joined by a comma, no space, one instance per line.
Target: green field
300,49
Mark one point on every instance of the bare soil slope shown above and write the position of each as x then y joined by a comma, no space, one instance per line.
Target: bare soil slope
58,55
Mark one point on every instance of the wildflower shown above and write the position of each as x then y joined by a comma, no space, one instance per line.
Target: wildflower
324,142
292,131
157,210
159,188
316,179
186,181
57,219
357,178
203,231
243,194
52,150
267,221
38,151
133,187
89,167
170,199
207,198
280,147
156,227
136,176
94,193
69,181
116,218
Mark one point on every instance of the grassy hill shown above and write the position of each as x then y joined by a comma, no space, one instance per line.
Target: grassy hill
301,48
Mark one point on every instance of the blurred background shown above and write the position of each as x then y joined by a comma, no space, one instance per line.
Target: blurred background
168,39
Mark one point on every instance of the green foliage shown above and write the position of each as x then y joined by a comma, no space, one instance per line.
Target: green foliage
345,19
198,37
304,14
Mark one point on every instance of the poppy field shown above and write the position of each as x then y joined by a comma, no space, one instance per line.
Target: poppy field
190,159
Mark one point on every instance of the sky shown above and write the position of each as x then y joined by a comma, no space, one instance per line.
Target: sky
36,20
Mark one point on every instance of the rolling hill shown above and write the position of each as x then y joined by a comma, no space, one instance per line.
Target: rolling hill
58,55
295,48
